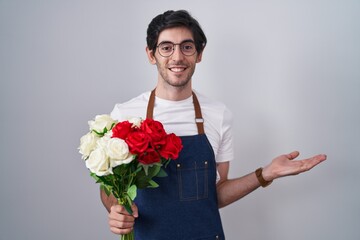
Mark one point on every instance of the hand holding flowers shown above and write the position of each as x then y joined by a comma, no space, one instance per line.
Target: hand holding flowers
125,156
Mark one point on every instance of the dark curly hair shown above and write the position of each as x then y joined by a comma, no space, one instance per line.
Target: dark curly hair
170,19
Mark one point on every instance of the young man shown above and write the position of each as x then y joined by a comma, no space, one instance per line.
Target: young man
185,206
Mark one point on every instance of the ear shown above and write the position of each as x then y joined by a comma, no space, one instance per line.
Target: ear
199,56
151,56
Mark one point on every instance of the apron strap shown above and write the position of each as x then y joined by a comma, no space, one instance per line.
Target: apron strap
198,116
150,106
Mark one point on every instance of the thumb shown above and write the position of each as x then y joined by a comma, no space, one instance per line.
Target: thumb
293,155
135,210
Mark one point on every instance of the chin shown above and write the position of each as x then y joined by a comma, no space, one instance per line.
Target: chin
179,83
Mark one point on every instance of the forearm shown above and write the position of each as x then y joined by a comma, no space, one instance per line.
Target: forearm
231,190
108,201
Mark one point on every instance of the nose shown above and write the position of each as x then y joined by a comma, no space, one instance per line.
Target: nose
177,54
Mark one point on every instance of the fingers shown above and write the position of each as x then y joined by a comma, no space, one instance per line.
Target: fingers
318,158
120,221
321,157
312,162
120,227
305,165
118,209
281,166
122,210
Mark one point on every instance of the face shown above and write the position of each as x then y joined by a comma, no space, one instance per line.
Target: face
177,69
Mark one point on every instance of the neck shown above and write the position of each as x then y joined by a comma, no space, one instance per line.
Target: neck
173,93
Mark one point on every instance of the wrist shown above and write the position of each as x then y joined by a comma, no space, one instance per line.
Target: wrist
266,173
260,177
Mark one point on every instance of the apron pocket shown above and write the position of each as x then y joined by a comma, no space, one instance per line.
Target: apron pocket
193,180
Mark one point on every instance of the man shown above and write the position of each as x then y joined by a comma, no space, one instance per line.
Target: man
186,204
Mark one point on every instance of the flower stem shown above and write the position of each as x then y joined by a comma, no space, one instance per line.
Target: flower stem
129,236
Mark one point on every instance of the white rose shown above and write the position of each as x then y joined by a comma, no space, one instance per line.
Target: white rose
117,162
99,163
108,135
87,144
117,148
118,151
101,122
103,141
136,121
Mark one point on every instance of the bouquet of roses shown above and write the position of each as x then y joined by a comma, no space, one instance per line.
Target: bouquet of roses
125,156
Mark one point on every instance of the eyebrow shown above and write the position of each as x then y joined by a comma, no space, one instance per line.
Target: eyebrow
185,41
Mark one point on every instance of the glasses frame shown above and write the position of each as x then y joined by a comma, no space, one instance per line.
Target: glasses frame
176,44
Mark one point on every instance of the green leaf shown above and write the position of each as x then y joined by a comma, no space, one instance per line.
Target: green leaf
93,175
127,206
162,173
119,170
143,178
97,178
146,169
166,162
142,182
132,191
125,201
153,184
137,170
154,170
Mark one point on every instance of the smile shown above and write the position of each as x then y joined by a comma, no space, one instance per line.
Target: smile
177,69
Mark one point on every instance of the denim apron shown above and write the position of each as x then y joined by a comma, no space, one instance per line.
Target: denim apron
184,206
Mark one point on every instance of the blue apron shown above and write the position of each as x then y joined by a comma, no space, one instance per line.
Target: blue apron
184,206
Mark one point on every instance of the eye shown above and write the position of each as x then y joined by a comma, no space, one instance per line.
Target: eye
166,47
188,46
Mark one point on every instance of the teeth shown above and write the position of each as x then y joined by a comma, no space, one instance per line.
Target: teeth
177,69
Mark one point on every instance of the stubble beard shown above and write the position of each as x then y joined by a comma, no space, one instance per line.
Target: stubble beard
175,83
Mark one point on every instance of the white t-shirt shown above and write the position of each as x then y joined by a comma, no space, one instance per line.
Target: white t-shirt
179,117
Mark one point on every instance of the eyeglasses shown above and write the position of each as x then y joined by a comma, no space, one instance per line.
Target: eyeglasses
166,49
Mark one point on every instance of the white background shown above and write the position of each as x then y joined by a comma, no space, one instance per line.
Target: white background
289,71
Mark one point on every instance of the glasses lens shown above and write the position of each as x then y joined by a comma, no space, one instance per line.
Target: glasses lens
188,48
166,49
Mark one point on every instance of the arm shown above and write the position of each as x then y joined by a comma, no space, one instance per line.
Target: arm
231,190
120,221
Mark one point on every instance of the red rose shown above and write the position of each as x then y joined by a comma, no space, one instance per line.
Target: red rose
121,130
172,147
156,132
149,157
138,142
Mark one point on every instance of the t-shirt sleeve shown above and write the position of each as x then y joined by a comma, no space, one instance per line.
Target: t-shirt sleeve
115,113
226,148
